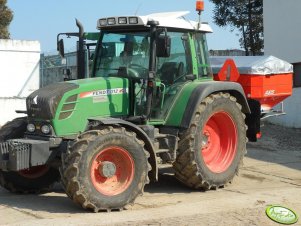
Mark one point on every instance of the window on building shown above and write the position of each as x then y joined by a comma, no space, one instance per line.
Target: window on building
297,75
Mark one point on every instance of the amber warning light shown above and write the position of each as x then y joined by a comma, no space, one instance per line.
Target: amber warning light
200,5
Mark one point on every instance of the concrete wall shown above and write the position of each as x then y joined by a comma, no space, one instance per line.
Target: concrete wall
282,33
19,67
8,107
19,75
282,38
292,107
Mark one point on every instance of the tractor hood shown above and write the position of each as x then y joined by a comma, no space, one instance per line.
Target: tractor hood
43,102
88,97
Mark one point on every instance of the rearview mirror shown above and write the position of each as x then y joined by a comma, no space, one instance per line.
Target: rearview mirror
60,48
163,46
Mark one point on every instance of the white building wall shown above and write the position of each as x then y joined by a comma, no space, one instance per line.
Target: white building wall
282,33
292,107
8,108
19,67
19,75
282,38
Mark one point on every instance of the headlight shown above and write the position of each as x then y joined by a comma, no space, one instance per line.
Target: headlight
45,129
31,127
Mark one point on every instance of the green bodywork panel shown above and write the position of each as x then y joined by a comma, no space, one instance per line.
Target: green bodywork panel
178,108
105,97
91,36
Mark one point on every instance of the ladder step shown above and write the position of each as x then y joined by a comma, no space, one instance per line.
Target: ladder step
162,151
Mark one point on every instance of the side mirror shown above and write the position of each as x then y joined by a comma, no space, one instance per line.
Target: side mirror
163,46
67,74
60,48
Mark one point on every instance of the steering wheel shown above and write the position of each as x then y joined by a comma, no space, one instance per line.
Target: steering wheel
137,66
140,70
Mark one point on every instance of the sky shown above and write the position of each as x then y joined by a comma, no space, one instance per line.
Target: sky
43,20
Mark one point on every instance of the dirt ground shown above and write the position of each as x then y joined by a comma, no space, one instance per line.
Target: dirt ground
271,175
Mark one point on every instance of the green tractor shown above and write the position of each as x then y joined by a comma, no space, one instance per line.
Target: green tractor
151,100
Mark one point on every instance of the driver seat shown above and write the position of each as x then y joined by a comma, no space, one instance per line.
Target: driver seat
170,71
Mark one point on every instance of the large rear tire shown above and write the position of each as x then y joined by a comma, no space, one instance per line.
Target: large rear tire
38,179
105,169
212,149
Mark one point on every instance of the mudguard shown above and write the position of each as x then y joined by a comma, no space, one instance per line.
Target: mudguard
205,89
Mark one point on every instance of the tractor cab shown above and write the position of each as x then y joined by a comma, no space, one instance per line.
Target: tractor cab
156,53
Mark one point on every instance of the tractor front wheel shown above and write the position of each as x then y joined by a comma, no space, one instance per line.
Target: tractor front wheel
105,169
37,179
211,150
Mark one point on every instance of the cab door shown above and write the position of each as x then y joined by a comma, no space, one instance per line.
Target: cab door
171,74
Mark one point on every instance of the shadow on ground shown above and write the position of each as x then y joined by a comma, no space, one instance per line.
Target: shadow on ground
54,202
58,202
278,145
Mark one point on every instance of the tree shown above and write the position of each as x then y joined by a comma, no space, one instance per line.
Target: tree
246,16
6,16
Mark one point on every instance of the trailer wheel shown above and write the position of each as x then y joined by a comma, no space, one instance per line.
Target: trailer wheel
212,149
38,179
105,169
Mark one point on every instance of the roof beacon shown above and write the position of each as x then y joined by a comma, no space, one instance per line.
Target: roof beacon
199,7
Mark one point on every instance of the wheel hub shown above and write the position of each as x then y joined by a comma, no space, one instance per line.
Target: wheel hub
205,140
107,169
112,170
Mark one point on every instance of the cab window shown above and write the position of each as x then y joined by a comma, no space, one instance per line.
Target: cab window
201,49
174,68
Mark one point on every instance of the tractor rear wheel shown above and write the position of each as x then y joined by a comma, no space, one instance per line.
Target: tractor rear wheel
36,179
212,149
105,169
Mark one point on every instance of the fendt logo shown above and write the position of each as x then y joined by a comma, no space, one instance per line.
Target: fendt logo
104,92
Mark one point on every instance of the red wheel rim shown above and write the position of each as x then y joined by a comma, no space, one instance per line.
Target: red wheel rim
219,141
34,172
112,171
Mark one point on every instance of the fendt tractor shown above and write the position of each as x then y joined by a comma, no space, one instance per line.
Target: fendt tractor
150,101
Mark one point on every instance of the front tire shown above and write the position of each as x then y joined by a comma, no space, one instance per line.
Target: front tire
212,149
38,179
105,169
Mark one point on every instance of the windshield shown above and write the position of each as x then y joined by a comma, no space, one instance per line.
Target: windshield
123,54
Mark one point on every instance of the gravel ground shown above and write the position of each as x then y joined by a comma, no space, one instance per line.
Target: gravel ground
271,175
278,138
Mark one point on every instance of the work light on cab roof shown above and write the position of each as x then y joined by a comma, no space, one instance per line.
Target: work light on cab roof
175,20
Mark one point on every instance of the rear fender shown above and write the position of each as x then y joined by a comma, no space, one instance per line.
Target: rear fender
207,88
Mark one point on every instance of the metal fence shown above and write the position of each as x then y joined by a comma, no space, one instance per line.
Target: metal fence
51,68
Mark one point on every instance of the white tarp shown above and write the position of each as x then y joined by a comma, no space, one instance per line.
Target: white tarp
257,65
